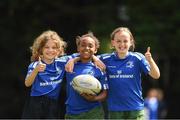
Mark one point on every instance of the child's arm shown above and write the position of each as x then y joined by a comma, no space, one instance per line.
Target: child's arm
31,77
70,64
154,70
101,97
99,63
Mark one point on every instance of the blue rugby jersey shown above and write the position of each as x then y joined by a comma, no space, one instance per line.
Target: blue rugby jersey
48,83
76,104
151,105
124,79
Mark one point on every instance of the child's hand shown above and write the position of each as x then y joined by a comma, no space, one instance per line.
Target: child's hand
148,55
88,97
41,66
99,63
69,66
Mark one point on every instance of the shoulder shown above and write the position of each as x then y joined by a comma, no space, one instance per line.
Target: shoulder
106,56
63,58
33,64
75,55
137,55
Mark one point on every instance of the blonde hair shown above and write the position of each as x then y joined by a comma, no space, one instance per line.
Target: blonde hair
89,34
42,39
125,29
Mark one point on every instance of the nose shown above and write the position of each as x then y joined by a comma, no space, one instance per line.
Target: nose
87,47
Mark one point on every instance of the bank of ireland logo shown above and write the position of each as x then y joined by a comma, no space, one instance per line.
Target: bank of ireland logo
119,72
130,64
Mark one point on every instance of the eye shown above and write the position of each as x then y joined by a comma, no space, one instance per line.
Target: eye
91,46
46,47
54,48
125,41
82,45
118,41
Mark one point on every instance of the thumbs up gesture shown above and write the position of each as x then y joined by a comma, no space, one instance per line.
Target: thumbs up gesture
41,66
148,55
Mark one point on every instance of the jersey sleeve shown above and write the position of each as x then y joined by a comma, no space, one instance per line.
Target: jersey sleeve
144,64
75,55
65,58
31,68
104,56
61,61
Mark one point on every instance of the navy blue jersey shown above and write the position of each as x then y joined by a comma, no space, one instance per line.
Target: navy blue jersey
48,82
124,79
75,103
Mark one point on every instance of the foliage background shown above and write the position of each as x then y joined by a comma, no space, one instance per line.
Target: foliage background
153,23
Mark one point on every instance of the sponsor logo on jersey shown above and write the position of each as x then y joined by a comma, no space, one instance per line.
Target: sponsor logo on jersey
119,71
50,83
120,75
130,64
111,66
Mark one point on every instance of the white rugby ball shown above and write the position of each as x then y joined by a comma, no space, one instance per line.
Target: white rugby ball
86,83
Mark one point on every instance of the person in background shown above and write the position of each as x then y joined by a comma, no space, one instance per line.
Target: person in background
162,106
151,104
155,105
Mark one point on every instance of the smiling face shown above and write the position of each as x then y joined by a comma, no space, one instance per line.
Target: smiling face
50,51
122,42
86,48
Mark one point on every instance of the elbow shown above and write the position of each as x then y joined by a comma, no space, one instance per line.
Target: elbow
157,76
103,99
104,96
26,84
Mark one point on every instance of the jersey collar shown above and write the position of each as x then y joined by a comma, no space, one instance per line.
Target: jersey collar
117,57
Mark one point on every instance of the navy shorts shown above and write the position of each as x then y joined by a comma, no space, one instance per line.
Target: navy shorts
40,107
